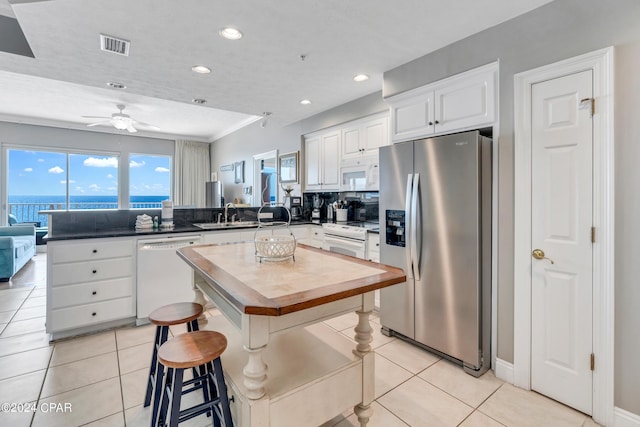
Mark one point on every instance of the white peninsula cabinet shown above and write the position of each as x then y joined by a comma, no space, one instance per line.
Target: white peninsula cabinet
90,284
322,161
463,101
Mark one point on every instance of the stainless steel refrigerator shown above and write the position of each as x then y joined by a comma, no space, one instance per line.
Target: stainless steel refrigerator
435,210
213,195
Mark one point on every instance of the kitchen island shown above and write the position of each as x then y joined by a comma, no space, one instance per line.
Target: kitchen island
272,313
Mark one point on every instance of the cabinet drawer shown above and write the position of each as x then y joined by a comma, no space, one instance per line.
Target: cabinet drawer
94,249
90,314
89,271
87,293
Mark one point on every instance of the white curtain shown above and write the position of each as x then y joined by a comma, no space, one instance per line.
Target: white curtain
193,169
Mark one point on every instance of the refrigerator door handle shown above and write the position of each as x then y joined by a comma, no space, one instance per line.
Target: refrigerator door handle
415,258
408,225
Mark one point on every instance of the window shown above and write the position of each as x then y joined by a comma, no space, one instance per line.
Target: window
46,180
93,182
149,180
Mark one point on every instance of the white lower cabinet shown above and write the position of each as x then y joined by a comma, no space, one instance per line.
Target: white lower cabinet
89,282
373,247
373,254
228,236
314,236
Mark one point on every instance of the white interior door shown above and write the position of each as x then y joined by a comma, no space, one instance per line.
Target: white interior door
561,283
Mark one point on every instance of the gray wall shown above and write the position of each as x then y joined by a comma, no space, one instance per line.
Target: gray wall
560,30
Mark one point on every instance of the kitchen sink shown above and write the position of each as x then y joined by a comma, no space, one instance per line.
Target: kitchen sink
225,225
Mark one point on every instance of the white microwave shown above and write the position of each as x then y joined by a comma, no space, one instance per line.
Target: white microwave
361,174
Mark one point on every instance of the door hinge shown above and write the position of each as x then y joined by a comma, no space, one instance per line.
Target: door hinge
593,362
593,234
588,103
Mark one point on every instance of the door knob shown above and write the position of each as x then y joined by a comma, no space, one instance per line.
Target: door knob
539,254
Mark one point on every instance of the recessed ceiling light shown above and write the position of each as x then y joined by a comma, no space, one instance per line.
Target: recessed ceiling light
305,102
360,78
199,101
201,69
231,33
116,85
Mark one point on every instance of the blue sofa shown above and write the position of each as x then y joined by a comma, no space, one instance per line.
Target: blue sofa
17,246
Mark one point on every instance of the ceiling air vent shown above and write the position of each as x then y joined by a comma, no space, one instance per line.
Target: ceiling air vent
114,45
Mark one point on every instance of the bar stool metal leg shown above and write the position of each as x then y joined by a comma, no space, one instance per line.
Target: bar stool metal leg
222,392
152,369
156,378
176,394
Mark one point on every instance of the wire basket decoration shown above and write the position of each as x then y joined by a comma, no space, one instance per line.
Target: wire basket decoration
271,246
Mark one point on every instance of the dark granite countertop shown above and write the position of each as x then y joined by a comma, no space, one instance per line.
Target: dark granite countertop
157,232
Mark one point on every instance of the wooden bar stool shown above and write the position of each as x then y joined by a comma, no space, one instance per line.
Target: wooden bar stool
163,317
194,349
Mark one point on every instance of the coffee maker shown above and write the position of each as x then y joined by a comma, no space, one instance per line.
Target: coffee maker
296,207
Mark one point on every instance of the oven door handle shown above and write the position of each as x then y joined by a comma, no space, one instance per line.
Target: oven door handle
357,244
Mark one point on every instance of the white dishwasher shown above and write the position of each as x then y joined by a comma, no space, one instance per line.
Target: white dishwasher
163,277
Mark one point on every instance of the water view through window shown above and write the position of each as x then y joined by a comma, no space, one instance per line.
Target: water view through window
47,180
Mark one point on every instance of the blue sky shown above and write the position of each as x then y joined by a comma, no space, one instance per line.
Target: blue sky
45,173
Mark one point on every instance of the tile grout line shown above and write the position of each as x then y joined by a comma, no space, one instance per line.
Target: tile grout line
16,312
44,378
115,337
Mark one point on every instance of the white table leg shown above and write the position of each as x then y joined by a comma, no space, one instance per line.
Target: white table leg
363,337
199,298
364,333
363,413
255,373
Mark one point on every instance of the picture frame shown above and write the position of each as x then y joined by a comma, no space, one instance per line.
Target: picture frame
239,172
288,167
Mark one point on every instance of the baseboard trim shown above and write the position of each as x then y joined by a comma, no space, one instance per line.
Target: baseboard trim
504,370
622,418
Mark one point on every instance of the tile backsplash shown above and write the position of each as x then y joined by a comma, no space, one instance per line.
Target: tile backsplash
362,206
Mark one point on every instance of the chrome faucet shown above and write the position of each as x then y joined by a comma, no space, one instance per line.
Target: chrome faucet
219,216
226,211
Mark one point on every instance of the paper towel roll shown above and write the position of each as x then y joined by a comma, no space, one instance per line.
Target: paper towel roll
167,211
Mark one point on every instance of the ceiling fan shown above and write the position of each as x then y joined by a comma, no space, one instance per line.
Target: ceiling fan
120,121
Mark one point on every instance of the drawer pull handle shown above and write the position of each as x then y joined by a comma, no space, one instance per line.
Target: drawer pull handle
94,293
377,244
94,313
95,251
95,271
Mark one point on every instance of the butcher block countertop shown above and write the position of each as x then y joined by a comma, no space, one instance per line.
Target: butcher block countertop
273,288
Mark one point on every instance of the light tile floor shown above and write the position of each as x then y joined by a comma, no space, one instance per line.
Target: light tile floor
103,376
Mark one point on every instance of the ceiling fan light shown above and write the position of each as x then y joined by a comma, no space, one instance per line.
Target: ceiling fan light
120,124
230,33
201,69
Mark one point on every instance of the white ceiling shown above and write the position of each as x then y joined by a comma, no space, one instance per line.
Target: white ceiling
261,72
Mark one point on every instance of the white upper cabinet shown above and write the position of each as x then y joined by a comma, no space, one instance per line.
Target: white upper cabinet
365,136
460,102
351,147
322,161
412,117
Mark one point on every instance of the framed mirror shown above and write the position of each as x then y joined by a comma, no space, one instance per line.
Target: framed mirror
239,172
265,178
288,167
